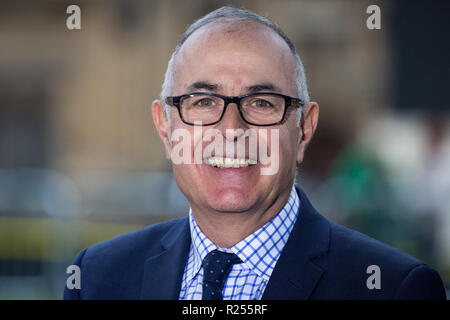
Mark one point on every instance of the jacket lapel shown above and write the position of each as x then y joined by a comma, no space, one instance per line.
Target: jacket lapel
163,272
296,274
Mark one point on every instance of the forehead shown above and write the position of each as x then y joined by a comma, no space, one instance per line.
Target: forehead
235,54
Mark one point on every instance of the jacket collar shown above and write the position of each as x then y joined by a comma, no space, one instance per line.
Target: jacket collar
295,276
298,269
163,272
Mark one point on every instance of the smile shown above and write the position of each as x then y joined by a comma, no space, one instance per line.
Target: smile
219,162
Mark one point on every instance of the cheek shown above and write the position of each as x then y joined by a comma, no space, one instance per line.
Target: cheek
183,174
276,152
283,140
197,143
287,146
183,141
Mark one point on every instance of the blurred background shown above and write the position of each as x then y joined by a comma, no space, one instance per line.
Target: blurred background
81,162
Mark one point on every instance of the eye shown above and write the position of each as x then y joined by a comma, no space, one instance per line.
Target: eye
260,103
204,102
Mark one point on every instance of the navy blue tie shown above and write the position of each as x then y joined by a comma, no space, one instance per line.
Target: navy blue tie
216,267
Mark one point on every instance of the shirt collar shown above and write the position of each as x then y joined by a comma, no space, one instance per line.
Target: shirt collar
260,250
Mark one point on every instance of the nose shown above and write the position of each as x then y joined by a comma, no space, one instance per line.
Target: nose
231,119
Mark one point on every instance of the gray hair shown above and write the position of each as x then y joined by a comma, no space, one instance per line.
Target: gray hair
230,14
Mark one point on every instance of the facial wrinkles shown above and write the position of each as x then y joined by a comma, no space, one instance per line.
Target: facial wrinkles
235,62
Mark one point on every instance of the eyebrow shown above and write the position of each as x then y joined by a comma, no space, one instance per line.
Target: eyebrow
214,87
203,85
265,86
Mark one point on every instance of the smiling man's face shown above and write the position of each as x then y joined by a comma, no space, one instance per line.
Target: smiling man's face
234,60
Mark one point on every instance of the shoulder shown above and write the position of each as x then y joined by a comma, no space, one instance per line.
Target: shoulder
143,241
354,257
354,245
113,268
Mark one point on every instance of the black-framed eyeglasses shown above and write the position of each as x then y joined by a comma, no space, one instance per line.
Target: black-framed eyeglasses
258,109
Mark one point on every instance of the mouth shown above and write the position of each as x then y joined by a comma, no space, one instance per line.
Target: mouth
226,163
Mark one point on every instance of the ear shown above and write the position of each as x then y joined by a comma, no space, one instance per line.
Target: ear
162,125
308,126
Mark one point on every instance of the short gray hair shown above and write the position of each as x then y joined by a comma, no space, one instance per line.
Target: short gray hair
230,14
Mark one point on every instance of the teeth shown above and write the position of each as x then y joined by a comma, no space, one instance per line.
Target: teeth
229,162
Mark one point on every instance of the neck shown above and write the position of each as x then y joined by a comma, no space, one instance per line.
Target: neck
227,229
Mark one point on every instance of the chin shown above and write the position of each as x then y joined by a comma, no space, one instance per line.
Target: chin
231,202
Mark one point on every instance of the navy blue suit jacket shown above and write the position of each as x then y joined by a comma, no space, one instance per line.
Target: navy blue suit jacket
321,260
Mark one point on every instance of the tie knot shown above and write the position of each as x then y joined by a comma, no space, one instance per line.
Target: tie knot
216,267
217,257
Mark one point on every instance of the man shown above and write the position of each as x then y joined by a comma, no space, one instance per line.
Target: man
250,234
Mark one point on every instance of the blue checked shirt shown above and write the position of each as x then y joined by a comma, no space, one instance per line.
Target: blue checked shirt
259,252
